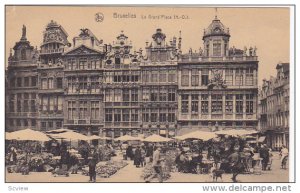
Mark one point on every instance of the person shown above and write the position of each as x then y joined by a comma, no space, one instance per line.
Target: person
92,165
13,155
264,154
129,152
137,157
124,147
284,152
235,163
143,153
156,165
74,163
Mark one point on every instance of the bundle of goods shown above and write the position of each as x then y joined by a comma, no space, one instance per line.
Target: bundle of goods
60,172
106,169
170,158
148,171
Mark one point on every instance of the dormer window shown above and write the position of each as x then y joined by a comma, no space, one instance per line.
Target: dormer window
23,54
217,48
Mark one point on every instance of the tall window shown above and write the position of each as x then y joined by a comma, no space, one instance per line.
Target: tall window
83,110
204,103
229,103
95,110
23,54
126,96
207,49
154,95
26,102
229,76
163,95
163,76
249,103
146,94
134,95
26,81
19,82
50,83
217,48
153,115
204,77
216,104
45,103
118,95
71,110
117,115
71,65
239,76
172,76
185,103
95,85
60,103
195,77
145,115
146,75
83,84
154,76
12,103
239,103
33,81
126,115
249,76
185,77
163,115
82,63
171,115
108,115
195,102
108,95
171,95
134,115
59,83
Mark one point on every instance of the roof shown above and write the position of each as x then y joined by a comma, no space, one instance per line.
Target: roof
216,28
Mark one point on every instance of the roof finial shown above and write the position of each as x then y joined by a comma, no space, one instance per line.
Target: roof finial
179,42
216,13
24,33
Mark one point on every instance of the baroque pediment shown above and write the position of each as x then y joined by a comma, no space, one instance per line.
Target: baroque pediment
82,50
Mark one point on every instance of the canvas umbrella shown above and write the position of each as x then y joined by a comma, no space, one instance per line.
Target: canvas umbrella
202,135
70,135
8,136
28,135
156,138
58,131
127,138
236,132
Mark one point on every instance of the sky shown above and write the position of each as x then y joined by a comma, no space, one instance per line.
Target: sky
266,28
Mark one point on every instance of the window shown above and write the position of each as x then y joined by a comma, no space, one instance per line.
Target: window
185,77
154,95
72,84
162,76
50,125
60,103
146,75
239,76
108,95
249,76
249,103
26,102
71,64
95,85
23,54
207,49
58,124
82,63
95,110
171,115
44,125
25,121
171,95
163,95
95,64
195,77
33,81
50,83
204,103
153,115
134,115
44,83
126,96
145,115
71,110
217,48
33,122
51,103
83,84
134,95
108,115
195,102
125,77
26,81
229,76
12,82
19,82
162,116
117,60
11,103
239,103
216,104
125,115
117,115
172,76
185,103
59,83
204,77
19,98
118,95
154,76
19,122
82,109
229,104
146,94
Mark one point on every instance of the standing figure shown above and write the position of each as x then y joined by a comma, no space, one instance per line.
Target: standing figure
157,168
284,152
92,165
137,157
236,165
264,154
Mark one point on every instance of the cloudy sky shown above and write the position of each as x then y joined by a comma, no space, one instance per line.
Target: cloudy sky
266,28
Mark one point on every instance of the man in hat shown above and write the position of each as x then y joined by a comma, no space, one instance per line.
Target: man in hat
93,160
157,168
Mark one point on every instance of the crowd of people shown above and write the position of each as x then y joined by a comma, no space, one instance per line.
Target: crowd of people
226,155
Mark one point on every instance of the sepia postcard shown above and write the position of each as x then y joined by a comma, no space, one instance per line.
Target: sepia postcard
142,94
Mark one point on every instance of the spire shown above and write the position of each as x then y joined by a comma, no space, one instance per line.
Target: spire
23,38
216,13
179,42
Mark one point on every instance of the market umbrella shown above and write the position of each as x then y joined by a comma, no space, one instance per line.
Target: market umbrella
202,135
156,138
28,135
8,136
236,132
70,135
127,138
58,130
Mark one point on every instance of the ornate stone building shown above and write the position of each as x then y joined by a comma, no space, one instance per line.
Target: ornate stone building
217,86
112,90
274,99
